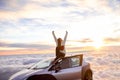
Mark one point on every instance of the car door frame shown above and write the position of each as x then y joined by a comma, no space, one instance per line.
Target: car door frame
68,74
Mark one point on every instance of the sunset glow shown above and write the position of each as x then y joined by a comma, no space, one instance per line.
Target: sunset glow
26,26
98,45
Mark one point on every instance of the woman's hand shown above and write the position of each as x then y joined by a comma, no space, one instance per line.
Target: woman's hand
52,31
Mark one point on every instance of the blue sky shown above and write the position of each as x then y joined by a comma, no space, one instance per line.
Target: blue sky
30,23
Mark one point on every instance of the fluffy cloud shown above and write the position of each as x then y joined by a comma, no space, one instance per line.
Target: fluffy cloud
51,8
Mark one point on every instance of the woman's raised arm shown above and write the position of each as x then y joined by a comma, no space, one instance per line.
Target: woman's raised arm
65,38
54,37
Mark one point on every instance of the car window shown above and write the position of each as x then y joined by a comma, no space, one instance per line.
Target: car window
65,63
62,64
42,64
75,61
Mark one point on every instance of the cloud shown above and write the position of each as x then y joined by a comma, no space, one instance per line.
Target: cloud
101,7
58,3
53,8
12,5
114,4
26,46
25,51
33,20
85,40
117,30
79,42
112,40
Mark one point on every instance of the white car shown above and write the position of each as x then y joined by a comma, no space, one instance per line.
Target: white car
67,68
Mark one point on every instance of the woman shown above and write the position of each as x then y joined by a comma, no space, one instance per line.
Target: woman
60,46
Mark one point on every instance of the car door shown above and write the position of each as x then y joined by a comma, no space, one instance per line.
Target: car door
70,69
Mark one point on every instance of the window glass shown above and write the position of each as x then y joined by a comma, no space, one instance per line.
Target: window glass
62,64
42,64
65,63
75,61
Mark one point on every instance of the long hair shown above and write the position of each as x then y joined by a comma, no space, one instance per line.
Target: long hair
59,42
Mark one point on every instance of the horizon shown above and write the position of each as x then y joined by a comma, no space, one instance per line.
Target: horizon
69,50
26,26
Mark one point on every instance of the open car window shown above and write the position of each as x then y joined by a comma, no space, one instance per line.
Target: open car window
75,61
65,63
62,64
68,62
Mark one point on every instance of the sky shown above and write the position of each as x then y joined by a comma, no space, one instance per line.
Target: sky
26,25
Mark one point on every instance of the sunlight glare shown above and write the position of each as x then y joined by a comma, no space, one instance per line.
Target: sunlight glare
98,43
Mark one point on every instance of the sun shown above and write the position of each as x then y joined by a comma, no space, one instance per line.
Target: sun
98,44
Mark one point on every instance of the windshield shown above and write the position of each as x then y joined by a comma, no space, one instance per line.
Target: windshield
42,64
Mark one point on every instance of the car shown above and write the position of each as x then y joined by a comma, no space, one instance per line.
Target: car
67,68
